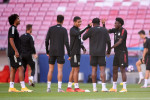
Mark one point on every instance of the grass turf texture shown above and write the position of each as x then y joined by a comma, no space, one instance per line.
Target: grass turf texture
134,93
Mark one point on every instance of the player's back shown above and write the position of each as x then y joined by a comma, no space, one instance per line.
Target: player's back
26,40
57,35
98,40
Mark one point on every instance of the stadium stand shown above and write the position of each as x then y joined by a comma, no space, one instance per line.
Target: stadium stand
42,14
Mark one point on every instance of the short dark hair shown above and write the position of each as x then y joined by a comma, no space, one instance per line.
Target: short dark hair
120,20
96,21
60,18
76,18
141,32
28,27
12,18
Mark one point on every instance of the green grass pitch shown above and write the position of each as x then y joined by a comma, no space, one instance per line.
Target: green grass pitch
134,93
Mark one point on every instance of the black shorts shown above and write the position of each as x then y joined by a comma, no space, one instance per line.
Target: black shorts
15,62
148,63
145,60
121,59
60,59
27,59
97,60
75,61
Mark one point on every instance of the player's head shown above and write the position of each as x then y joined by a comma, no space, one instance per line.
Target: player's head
149,32
96,21
60,19
29,28
119,22
14,19
77,21
142,34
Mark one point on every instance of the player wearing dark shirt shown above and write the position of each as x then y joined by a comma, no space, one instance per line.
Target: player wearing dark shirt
14,50
139,62
58,37
27,50
99,38
75,47
121,53
146,52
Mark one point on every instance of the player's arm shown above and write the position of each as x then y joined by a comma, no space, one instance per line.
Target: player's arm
108,43
145,49
74,32
32,47
144,53
123,35
87,34
109,30
47,41
67,42
117,44
83,48
11,40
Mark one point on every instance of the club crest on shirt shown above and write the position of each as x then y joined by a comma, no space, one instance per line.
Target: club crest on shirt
119,34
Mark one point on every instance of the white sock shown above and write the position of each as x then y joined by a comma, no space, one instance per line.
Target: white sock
94,87
11,84
59,84
103,85
69,84
76,85
22,84
31,78
141,75
114,85
49,84
145,83
124,85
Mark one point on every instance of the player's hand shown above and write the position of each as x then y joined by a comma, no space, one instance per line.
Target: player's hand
143,60
47,55
16,54
84,51
69,58
108,53
90,25
103,21
35,56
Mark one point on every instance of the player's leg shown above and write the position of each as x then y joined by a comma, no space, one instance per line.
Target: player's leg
59,77
103,77
146,79
94,63
138,65
123,63
49,77
12,78
76,68
94,76
102,64
12,74
115,74
31,70
52,60
124,78
60,62
24,63
69,89
147,73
